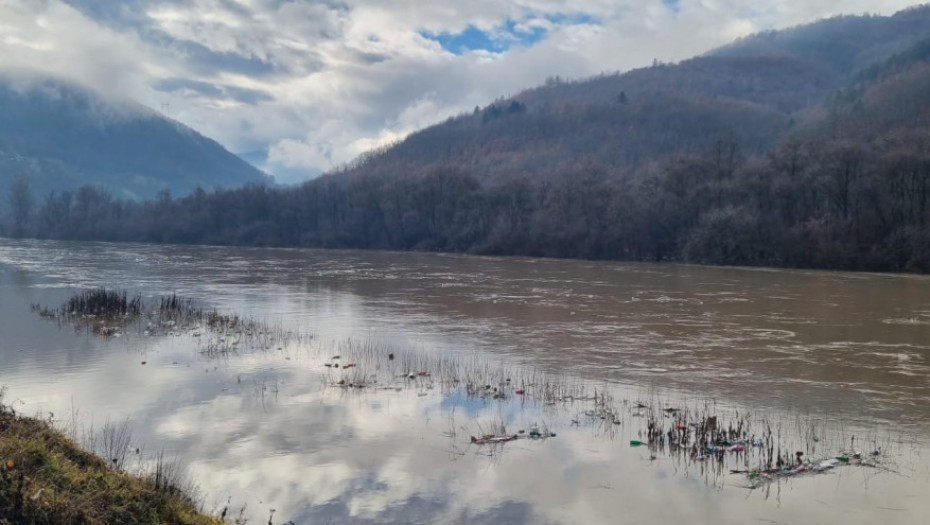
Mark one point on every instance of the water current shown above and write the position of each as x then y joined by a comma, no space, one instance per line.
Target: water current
830,362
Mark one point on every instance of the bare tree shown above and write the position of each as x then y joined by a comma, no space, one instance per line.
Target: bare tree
22,203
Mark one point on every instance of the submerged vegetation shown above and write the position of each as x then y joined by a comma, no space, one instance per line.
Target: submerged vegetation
715,442
101,309
46,478
109,312
700,436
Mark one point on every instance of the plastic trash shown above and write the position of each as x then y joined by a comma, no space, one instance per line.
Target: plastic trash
826,464
637,443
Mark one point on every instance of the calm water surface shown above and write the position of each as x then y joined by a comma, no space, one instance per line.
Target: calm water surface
850,352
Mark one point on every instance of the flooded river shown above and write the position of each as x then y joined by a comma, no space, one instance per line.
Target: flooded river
828,361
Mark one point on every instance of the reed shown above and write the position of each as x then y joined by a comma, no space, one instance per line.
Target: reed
693,431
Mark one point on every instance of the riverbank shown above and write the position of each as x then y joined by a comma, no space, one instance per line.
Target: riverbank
47,478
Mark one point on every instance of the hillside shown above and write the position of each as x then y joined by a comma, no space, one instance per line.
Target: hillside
61,136
47,478
780,158
756,89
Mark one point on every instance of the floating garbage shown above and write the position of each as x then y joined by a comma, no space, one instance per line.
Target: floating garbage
534,433
491,438
826,464
812,467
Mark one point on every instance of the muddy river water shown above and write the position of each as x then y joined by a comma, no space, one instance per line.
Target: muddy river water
834,362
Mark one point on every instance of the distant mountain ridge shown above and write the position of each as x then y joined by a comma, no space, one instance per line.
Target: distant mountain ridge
757,89
61,136
808,148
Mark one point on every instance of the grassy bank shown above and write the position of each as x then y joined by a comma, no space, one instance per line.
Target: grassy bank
46,478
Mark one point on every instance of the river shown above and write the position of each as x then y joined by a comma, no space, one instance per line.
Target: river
844,355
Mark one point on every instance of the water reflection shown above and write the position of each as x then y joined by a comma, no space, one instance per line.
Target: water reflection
264,428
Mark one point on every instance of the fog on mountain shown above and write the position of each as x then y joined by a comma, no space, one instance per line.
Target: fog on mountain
808,147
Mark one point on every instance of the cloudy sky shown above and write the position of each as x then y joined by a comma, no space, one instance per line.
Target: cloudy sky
303,86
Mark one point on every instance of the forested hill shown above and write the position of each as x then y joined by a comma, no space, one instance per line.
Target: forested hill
61,136
805,148
757,90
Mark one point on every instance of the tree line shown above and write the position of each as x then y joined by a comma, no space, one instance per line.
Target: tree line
837,204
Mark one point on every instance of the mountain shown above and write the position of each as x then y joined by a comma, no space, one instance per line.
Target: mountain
803,148
756,89
61,136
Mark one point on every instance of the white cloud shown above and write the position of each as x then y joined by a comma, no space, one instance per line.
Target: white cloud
56,38
316,83
292,153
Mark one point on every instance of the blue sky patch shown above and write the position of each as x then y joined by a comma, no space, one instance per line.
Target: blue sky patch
672,4
501,38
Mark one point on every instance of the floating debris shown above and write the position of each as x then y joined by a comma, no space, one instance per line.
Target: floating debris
807,466
534,433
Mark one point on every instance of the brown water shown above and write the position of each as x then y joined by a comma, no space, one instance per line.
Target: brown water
849,353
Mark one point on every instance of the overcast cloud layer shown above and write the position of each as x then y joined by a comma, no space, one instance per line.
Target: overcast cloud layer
309,85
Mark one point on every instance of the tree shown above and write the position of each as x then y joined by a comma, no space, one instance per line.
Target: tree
22,203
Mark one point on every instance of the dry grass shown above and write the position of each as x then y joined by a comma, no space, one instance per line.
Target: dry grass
45,478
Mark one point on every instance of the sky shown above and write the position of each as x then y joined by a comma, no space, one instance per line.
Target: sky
302,87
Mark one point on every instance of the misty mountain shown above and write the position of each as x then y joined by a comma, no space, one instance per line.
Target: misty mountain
804,148
757,90
61,136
